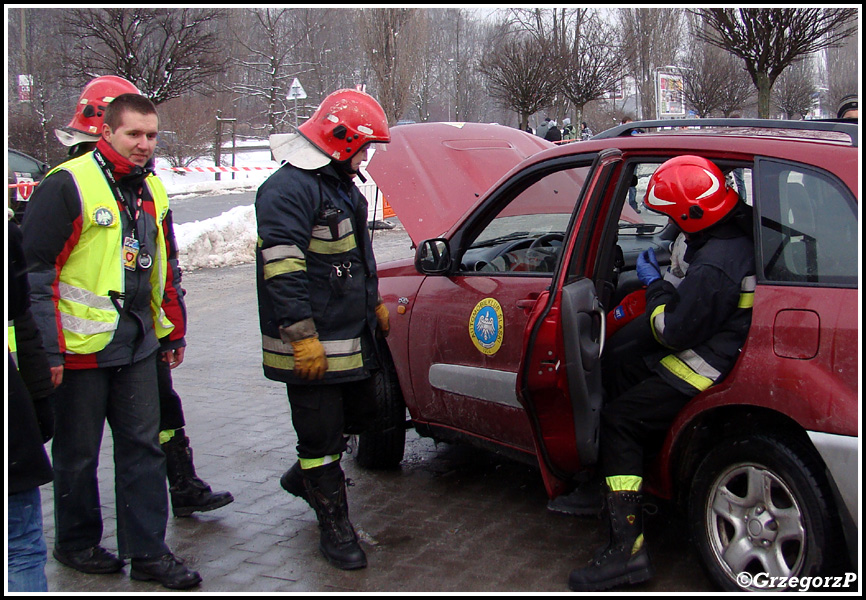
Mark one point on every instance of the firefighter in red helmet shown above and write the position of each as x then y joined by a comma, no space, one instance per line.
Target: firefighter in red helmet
319,307
695,329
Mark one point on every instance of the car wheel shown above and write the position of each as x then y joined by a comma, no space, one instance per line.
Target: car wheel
383,445
760,508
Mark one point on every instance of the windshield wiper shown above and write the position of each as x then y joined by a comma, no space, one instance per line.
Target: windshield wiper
499,240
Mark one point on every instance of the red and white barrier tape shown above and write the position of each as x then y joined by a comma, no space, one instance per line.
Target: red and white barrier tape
26,187
215,169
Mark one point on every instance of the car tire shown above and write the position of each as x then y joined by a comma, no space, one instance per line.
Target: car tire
383,445
760,504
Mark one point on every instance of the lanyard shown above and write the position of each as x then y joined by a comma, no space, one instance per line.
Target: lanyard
136,244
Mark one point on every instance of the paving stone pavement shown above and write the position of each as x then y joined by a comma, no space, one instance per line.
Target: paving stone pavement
451,519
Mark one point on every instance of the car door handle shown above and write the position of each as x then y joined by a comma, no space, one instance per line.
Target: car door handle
603,333
526,303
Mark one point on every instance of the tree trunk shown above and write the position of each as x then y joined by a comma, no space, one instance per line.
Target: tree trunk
764,85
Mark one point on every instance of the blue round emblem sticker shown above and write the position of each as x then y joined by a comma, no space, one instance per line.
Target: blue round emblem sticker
486,326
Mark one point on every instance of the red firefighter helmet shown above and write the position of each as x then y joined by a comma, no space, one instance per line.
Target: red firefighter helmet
692,191
90,111
345,121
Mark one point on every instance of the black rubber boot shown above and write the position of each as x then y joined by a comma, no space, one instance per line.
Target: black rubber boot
293,482
625,559
326,491
587,500
188,493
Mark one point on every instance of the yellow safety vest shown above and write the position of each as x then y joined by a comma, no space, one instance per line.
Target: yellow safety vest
95,266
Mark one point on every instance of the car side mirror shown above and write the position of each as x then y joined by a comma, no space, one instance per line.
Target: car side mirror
433,257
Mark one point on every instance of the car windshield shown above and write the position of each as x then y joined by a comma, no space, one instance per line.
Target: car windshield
522,226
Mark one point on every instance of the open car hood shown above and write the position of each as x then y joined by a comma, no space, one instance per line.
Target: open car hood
433,173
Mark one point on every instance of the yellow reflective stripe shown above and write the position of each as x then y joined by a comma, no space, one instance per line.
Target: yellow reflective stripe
624,483
165,435
683,371
638,544
336,247
343,355
287,265
13,342
335,363
312,463
747,291
657,324
332,347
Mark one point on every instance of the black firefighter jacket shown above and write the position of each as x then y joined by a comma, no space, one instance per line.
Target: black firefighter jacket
315,272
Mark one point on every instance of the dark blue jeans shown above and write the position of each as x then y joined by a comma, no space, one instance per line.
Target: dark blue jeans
27,553
128,398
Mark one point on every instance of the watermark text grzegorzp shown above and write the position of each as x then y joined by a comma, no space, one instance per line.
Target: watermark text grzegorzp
803,584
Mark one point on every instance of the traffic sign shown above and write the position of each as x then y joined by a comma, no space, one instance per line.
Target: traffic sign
296,91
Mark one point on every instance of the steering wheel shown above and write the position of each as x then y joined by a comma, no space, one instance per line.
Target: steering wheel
544,240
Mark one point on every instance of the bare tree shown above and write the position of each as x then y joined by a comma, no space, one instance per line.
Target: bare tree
592,62
715,81
268,65
164,52
45,102
795,90
651,37
770,39
520,73
393,39
186,128
842,71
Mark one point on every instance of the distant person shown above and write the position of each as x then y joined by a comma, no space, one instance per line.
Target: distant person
568,130
848,107
585,131
319,304
97,239
541,130
187,491
29,425
553,134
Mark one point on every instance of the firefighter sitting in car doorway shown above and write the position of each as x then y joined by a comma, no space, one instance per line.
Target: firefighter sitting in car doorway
319,306
688,340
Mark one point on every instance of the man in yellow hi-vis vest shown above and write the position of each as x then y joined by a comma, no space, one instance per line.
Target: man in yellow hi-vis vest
95,240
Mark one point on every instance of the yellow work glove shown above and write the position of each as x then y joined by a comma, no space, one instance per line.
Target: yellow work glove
382,316
310,360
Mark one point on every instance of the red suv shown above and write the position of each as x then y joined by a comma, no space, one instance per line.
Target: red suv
522,247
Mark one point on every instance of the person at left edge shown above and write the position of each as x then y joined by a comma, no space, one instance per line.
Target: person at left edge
187,491
95,242
29,425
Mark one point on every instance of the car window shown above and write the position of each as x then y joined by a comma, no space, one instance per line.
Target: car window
526,235
738,178
808,226
22,164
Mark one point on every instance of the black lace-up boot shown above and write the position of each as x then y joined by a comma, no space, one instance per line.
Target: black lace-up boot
625,559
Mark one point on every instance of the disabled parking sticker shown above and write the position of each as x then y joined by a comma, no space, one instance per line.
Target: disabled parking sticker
486,326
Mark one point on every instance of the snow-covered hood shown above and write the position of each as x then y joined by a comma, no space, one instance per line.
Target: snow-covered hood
433,173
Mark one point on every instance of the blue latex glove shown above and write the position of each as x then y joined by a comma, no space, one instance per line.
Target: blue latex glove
648,267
